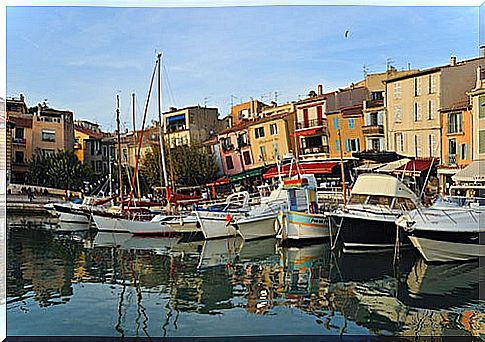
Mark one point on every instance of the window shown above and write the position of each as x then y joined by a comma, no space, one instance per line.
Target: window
91,145
125,154
336,123
481,107
417,111
417,86
455,123
229,163
262,153
319,115
377,95
337,145
93,167
19,133
259,132
404,203
19,157
452,152
273,129
373,119
352,145
417,145
247,158
397,113
432,145
397,90
48,135
481,141
105,151
430,109
464,152
305,118
351,123
276,152
99,165
358,199
226,144
431,84
380,200
242,140
47,152
399,142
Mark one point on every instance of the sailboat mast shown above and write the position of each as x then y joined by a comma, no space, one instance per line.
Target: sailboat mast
344,192
160,127
120,177
135,135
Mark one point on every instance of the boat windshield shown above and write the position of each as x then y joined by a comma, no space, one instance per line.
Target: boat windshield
380,200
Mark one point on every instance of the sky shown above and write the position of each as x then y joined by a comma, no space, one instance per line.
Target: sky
80,58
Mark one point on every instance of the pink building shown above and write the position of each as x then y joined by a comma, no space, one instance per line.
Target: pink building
235,150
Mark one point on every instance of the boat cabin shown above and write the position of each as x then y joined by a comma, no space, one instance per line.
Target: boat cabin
383,191
302,195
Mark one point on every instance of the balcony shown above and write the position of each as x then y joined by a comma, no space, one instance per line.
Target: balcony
373,129
315,150
227,147
452,160
19,141
176,128
311,123
374,103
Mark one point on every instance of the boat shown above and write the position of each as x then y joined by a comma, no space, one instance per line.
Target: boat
367,221
214,220
449,230
302,219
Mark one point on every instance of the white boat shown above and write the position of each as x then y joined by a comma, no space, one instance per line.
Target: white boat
214,221
180,223
303,219
120,224
368,219
446,232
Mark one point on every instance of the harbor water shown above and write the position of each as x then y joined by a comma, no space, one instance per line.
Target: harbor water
78,282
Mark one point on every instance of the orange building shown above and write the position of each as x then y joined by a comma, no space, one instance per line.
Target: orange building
345,113
245,111
456,141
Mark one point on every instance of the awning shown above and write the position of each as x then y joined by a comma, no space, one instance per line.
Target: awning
176,117
389,167
415,166
246,174
307,132
475,172
220,181
304,168
367,167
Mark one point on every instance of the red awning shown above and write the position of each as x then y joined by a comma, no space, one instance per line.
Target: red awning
415,166
307,132
220,181
304,168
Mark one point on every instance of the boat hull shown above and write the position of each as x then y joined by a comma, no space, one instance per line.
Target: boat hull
214,227
256,228
434,250
300,226
109,224
73,218
362,234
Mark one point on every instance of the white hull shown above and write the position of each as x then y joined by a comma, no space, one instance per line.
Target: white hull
109,224
445,251
300,226
258,227
73,218
147,227
72,226
111,239
214,227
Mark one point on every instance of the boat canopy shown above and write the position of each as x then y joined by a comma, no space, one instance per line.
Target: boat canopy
382,185
303,168
416,166
474,172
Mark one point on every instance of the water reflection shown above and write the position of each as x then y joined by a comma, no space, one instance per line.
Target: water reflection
174,287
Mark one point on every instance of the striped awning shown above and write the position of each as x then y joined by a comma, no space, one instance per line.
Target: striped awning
475,172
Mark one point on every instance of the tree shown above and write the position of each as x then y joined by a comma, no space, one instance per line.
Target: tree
188,165
67,171
38,167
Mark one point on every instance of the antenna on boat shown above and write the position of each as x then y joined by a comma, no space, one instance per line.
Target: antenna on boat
120,177
160,127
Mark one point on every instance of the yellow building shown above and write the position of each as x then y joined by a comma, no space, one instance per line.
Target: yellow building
271,136
477,99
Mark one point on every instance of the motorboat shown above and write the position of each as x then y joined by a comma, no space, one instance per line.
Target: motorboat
367,221
303,218
449,230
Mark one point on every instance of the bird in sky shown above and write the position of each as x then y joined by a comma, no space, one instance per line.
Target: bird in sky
347,33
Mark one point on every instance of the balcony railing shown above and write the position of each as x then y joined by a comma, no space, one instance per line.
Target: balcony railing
374,103
176,128
314,150
19,141
310,123
373,129
452,159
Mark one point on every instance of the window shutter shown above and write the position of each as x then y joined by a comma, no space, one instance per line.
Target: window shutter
381,144
481,106
481,141
380,118
358,144
347,145
367,119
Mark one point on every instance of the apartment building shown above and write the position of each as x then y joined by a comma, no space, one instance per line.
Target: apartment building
246,111
236,154
413,102
477,100
89,147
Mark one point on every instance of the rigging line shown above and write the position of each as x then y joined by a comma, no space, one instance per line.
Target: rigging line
169,87
140,139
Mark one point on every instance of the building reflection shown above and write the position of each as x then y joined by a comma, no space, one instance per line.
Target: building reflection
209,277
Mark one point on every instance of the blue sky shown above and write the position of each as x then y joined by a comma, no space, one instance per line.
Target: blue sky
79,58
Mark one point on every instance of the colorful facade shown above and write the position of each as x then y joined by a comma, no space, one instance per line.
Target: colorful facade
235,149
477,99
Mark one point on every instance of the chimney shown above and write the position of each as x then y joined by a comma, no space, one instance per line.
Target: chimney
172,109
320,89
482,51
453,60
22,98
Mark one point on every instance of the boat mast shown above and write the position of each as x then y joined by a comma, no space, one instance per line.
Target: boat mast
120,177
160,128
135,135
342,171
